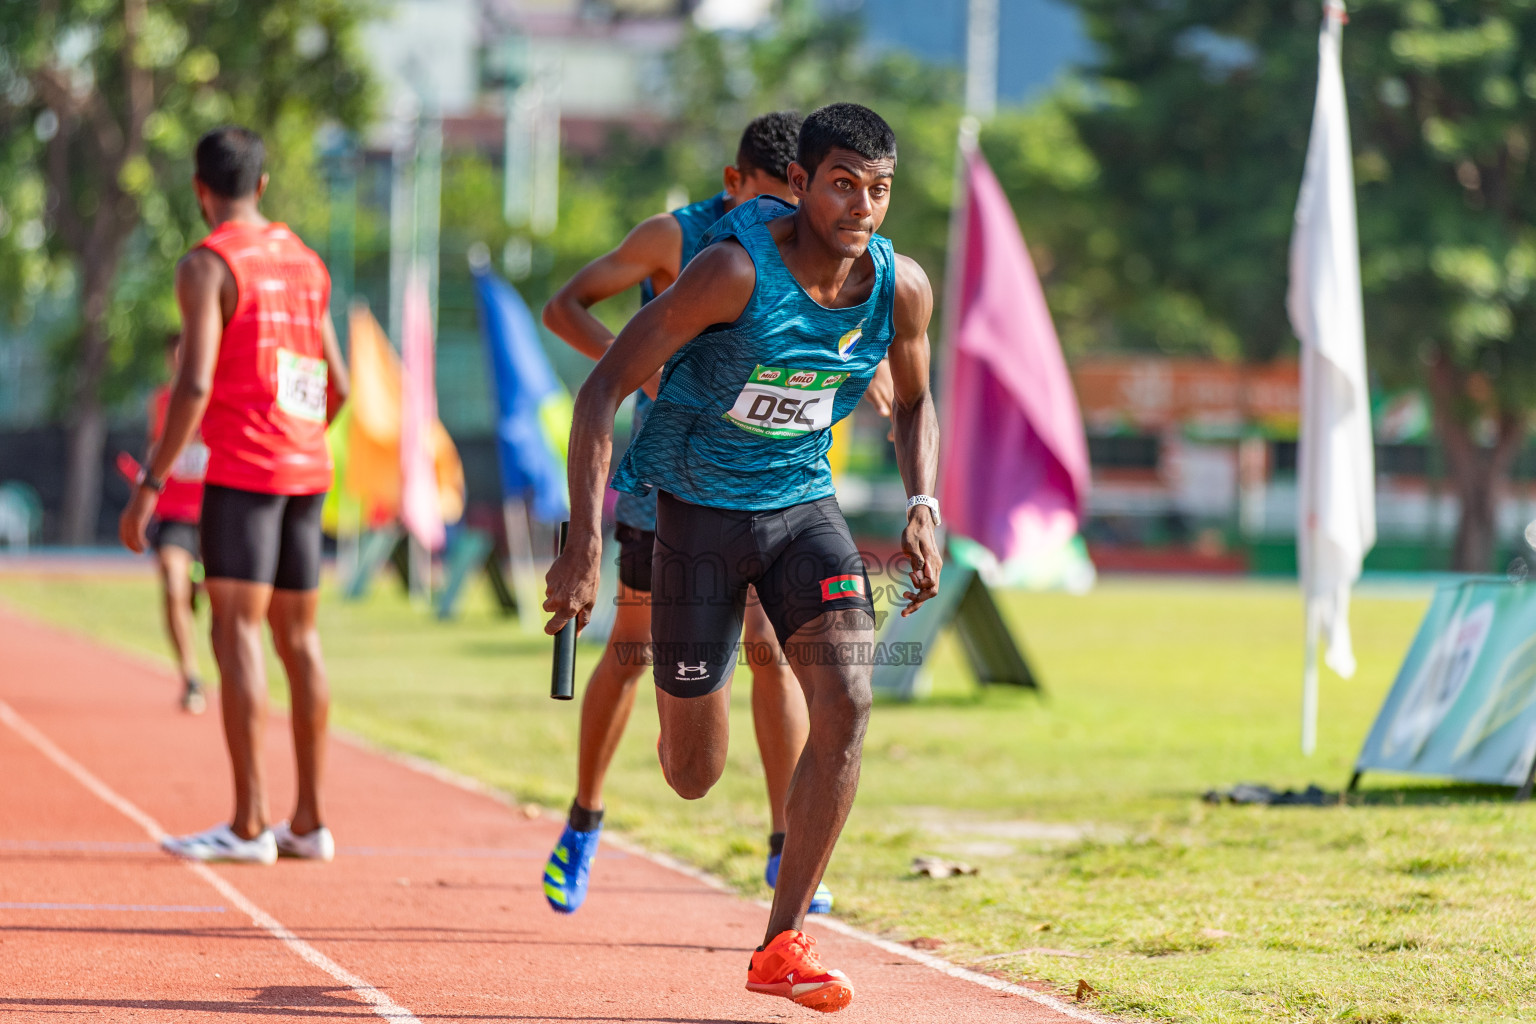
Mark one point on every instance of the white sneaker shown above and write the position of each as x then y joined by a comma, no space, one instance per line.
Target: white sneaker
193,699
221,844
316,845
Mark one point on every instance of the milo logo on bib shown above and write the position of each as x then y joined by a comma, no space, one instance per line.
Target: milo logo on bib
779,401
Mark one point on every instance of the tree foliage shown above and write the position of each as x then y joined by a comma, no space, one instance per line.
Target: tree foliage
100,104
719,82
1197,112
808,60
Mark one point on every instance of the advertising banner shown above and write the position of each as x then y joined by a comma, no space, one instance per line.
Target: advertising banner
1464,703
1145,394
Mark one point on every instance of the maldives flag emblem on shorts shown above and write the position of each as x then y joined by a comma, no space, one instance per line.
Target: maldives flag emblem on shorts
851,585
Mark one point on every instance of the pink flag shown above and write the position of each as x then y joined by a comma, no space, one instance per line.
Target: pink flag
420,510
1014,473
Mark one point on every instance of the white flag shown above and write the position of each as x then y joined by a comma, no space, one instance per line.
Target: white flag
1336,466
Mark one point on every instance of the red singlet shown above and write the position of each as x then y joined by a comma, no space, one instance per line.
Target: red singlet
182,499
265,424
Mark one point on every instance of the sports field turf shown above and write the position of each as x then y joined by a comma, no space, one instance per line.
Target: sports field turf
1098,860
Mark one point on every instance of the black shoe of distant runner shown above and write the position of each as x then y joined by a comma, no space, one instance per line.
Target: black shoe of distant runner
193,701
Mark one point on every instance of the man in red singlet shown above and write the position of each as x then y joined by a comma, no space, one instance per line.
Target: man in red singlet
262,370
173,535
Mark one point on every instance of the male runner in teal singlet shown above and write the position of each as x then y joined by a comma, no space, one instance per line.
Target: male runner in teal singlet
652,255
769,336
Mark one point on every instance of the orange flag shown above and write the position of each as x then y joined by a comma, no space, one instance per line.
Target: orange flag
373,461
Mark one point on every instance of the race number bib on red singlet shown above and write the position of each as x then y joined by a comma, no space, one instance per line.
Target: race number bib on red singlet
781,402
301,384
192,463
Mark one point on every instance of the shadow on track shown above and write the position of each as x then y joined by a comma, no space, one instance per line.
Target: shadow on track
314,1001
425,933
273,1001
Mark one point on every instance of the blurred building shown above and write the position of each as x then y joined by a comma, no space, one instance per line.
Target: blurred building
548,75
1194,469
607,57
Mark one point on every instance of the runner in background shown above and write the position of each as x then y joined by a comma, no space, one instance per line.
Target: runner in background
173,535
261,369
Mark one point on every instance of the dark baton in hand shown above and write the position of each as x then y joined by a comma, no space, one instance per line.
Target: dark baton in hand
562,681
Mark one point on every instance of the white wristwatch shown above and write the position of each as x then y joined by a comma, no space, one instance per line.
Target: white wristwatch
923,499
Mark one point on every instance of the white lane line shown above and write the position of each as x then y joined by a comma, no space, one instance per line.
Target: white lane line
473,785
937,963
963,974
382,1005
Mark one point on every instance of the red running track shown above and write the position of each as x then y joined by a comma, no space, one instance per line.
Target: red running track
432,911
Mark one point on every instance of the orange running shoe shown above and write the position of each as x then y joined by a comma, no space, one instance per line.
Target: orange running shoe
789,967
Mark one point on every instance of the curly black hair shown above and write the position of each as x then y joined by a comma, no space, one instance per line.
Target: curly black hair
769,143
844,126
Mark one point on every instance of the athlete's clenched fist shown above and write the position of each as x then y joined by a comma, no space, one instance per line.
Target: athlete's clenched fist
571,586
922,550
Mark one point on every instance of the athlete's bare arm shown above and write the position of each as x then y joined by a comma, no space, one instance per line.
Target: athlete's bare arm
149,430
651,250
205,293
915,426
881,392
713,289
339,382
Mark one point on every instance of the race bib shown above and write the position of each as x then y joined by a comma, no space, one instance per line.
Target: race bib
192,463
301,386
778,401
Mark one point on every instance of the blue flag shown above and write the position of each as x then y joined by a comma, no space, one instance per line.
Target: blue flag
533,418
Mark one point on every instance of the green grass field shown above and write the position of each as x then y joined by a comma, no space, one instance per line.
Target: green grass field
1098,860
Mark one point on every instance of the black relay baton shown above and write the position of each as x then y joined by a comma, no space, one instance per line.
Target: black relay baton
562,681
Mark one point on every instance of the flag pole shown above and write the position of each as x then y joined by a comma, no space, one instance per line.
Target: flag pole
954,262
980,102
349,507
1309,681
421,571
349,532
954,268
981,39
525,576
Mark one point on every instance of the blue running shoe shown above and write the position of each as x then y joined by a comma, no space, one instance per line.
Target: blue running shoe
821,902
569,867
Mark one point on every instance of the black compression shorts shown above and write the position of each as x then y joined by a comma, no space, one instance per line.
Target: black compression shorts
801,559
262,538
635,547
173,533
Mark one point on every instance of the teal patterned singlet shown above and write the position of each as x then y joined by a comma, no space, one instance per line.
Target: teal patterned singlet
639,511
744,415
